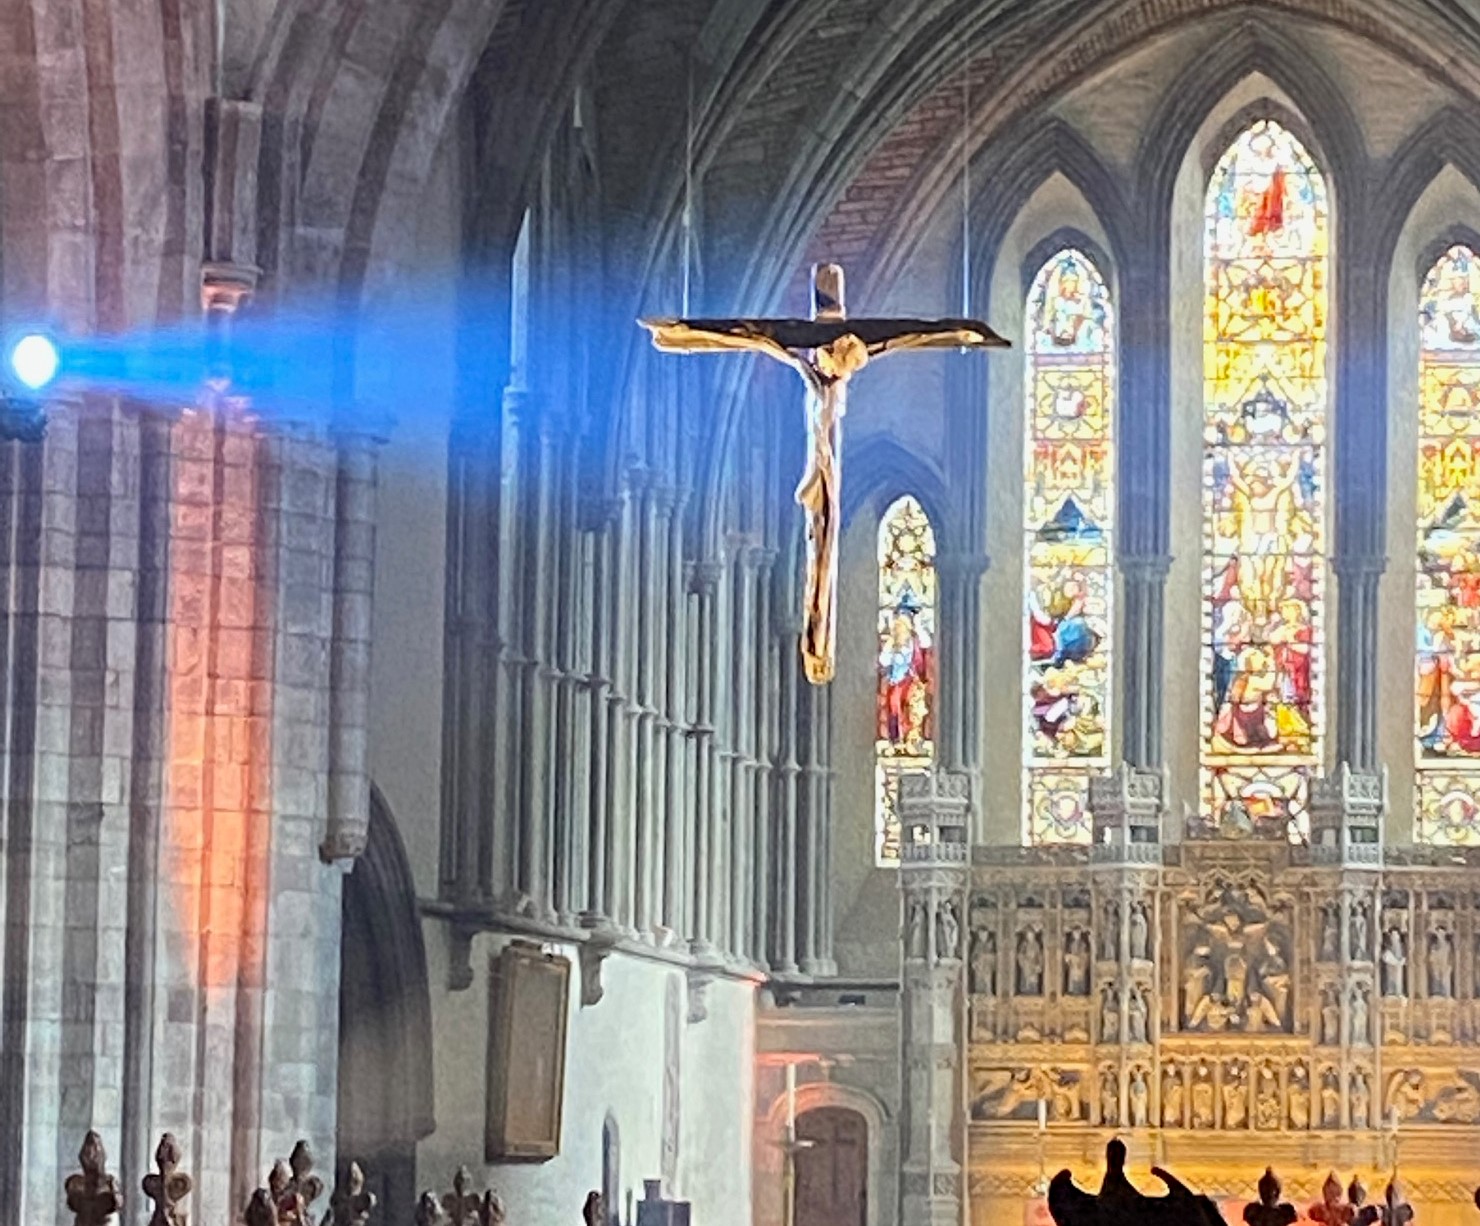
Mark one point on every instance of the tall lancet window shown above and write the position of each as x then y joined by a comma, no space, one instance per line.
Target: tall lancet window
1069,505
1264,467
905,710
1447,728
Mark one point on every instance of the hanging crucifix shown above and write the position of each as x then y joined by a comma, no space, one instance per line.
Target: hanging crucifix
826,350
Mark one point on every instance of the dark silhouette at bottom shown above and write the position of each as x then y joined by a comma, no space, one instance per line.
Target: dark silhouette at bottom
1120,1204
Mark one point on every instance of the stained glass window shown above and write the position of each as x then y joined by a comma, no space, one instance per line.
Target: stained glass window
1447,700
1264,464
905,707
1069,502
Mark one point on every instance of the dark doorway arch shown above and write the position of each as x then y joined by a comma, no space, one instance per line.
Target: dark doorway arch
385,1020
832,1168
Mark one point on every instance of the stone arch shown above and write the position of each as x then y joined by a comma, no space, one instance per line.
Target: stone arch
811,1096
385,1025
1449,138
880,470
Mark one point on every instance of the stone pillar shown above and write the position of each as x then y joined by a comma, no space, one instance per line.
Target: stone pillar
1357,651
1143,594
1346,812
1128,809
960,700
707,887
935,810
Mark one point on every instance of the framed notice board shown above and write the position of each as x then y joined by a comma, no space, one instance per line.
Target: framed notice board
526,1053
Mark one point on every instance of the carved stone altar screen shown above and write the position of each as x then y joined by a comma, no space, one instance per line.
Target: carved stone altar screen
1201,997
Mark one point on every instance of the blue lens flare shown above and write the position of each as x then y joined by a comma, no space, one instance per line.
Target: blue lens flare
34,361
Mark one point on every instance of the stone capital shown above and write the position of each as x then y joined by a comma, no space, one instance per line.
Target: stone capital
226,286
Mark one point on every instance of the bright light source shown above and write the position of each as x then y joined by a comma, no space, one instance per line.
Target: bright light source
34,361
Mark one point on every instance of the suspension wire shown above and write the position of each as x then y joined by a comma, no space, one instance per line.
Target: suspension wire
966,192
688,195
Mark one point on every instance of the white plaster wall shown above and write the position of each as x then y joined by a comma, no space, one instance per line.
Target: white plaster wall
1450,199
410,549
614,1065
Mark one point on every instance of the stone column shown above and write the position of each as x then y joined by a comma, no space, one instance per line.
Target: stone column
935,810
1129,809
1143,595
1357,580
1346,812
960,681
354,583
707,882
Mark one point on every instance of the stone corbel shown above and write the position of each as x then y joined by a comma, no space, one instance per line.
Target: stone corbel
460,956
699,979
594,952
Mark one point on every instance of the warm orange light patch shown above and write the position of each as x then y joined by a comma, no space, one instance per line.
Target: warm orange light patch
216,816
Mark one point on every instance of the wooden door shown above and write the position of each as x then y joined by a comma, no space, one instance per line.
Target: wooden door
832,1172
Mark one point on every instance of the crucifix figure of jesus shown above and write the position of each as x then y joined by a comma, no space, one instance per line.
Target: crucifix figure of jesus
826,350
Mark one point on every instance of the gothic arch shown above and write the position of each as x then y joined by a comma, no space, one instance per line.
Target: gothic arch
1450,137
385,1025
1029,161
881,470
1336,141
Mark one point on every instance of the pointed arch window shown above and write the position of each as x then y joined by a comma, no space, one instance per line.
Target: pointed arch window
1447,675
1069,506
1266,266
906,691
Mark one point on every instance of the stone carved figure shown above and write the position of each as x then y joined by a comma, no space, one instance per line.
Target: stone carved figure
1109,1014
1171,1096
1405,1094
1202,1098
1394,963
1268,1110
1076,963
1030,962
1234,934
1330,1100
1109,1098
1330,932
1359,1014
1140,932
1140,1099
1330,1018
984,962
1298,1099
1441,963
1135,1012
947,933
1269,1210
916,934
1360,1099
1110,932
1195,987
1361,934
1235,1095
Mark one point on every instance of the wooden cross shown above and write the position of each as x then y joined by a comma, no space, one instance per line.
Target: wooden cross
826,350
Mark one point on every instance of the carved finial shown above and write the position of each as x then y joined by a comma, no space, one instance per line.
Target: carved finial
351,1205
591,1211
491,1212
462,1203
93,1196
168,1185
306,1185
1396,1211
1268,1211
429,1211
261,1210
1356,1192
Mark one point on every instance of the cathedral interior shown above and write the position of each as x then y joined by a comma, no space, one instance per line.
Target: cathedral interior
440,729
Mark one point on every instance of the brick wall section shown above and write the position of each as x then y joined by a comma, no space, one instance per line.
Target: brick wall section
171,946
